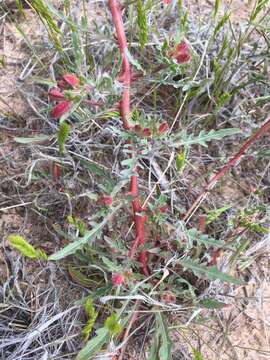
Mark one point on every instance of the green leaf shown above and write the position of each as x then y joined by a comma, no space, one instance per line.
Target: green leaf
211,304
217,6
213,215
110,265
20,6
101,172
89,237
181,161
203,137
78,223
133,61
142,24
94,345
31,140
79,277
41,254
113,325
165,341
153,354
71,220
221,23
197,354
92,315
23,246
261,4
196,235
63,134
212,273
44,12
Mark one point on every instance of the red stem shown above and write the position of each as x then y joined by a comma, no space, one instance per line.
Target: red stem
124,106
215,178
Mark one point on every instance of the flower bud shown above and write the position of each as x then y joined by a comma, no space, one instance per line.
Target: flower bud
118,279
71,80
181,53
56,94
60,109
147,132
106,200
164,127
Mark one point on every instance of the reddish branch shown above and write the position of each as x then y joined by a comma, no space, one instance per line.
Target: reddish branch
263,129
124,106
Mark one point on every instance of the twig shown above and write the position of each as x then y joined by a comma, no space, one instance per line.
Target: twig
132,320
263,129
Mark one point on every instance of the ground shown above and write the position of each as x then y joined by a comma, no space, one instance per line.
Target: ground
240,331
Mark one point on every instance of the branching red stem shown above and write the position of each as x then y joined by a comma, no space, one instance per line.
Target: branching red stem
124,107
215,178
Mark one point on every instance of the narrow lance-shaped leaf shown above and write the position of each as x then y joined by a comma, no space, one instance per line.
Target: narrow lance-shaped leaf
166,343
31,140
210,272
94,345
211,304
134,62
217,6
89,236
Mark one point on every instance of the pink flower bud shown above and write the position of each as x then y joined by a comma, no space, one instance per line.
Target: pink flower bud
60,109
183,58
147,132
167,1
118,279
56,94
181,53
164,127
169,298
71,80
106,200
163,209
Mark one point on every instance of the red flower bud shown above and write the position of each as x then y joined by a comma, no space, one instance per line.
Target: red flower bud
167,1
106,200
182,47
147,132
56,94
61,109
164,127
163,209
181,53
71,80
183,58
118,279
169,298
